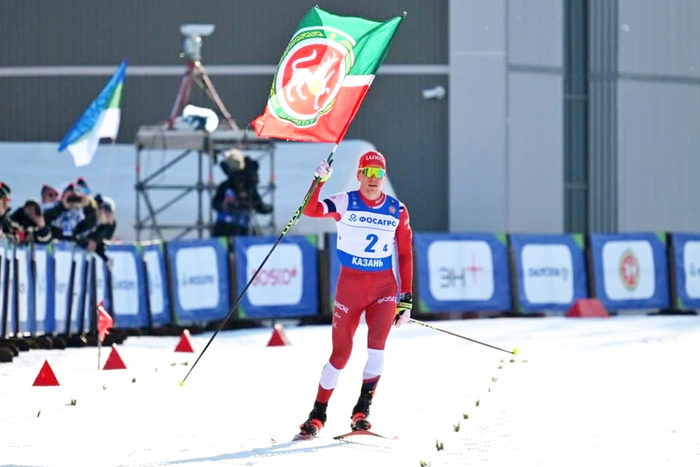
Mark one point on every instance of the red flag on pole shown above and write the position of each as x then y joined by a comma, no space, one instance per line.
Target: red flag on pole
104,322
323,76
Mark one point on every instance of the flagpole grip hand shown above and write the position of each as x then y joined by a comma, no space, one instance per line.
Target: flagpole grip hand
323,171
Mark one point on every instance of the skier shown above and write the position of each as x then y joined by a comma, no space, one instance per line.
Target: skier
370,225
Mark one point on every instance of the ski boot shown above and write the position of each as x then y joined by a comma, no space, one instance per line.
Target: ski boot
316,420
361,411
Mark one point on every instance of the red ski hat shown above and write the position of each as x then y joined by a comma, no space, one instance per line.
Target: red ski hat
372,159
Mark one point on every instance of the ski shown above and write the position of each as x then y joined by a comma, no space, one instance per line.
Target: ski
303,437
362,433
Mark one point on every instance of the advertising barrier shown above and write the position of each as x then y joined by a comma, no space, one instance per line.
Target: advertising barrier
27,324
462,272
77,300
288,283
199,279
686,267
158,295
4,287
128,289
44,289
631,270
63,280
550,271
10,291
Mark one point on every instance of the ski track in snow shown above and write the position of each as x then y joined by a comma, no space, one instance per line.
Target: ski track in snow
609,392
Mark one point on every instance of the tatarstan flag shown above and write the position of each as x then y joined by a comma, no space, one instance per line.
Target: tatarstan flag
323,76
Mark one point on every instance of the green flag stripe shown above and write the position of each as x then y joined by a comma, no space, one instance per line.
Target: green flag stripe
116,99
371,38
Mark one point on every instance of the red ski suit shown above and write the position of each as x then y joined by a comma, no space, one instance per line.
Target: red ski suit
357,291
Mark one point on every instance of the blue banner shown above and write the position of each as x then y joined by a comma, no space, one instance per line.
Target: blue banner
462,272
128,290
158,293
551,271
686,265
77,313
27,323
200,277
631,270
4,287
63,258
288,283
44,289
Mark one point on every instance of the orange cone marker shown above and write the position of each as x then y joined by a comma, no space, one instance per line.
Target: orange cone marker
46,377
114,361
185,345
278,337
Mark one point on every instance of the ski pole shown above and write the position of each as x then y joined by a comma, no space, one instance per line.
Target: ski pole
290,224
422,323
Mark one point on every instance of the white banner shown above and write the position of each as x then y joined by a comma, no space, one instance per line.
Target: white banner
22,266
125,291
280,282
547,273
62,261
2,276
76,311
198,278
10,292
101,280
628,269
460,270
691,264
155,281
41,290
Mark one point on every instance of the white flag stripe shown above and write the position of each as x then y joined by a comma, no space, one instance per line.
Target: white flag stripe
110,123
107,126
357,80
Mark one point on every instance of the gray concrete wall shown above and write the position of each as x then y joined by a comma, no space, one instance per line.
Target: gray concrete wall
506,97
477,104
659,115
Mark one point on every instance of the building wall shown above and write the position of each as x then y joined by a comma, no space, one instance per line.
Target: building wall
506,98
57,56
659,115
489,157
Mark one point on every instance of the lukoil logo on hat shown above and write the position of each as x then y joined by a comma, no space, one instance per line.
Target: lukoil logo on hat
372,159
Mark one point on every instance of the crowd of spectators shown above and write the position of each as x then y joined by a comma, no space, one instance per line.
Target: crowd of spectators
73,214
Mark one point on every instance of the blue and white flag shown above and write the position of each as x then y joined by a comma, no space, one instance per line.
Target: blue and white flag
100,120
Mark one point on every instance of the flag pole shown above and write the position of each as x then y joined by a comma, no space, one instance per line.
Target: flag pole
295,218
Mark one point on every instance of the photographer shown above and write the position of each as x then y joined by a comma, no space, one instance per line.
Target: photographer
107,224
237,197
26,224
29,224
73,217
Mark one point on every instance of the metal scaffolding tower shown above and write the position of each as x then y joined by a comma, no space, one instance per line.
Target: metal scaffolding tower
177,147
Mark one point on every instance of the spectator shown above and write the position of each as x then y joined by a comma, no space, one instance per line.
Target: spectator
49,197
106,225
29,224
73,217
5,226
237,197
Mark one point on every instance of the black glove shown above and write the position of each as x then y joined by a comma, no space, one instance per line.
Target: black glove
403,309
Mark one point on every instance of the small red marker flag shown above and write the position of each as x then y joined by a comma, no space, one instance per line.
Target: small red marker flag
104,322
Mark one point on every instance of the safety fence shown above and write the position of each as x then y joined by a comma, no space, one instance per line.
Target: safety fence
53,289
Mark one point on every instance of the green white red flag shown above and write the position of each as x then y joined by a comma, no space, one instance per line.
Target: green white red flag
323,76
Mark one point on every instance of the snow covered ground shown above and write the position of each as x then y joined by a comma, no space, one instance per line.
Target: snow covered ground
621,391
